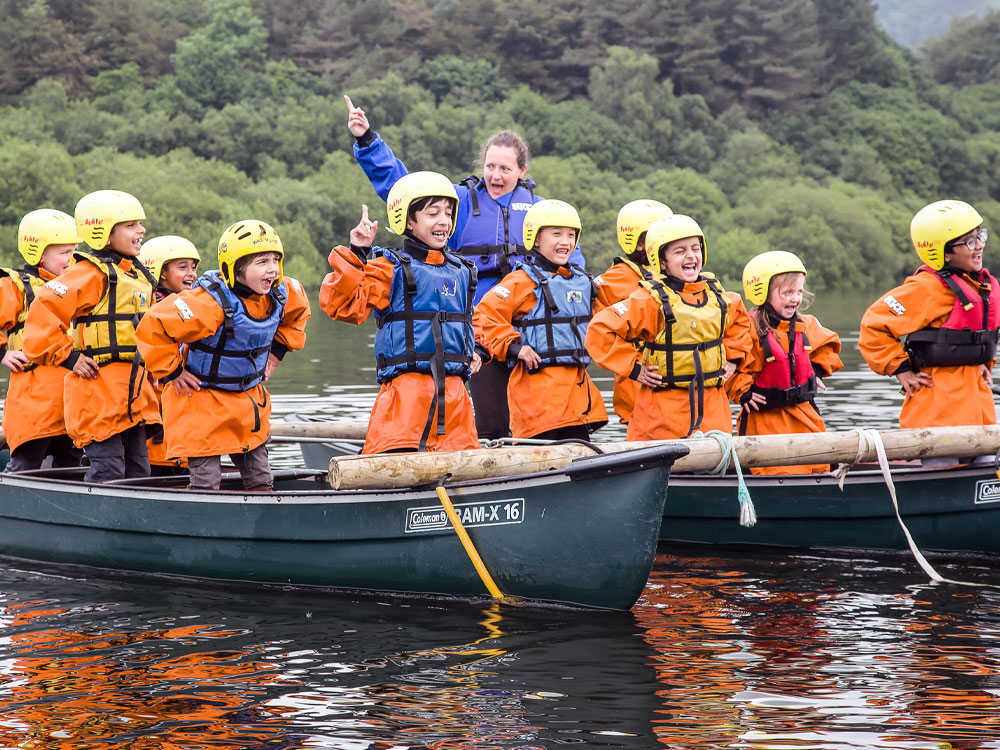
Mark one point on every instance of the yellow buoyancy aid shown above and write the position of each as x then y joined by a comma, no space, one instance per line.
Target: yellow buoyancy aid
107,333
27,284
689,350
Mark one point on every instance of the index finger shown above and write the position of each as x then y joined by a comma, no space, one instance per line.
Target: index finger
348,102
364,212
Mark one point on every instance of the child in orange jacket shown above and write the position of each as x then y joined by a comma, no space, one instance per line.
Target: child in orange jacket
33,421
422,299
85,321
536,319
623,278
694,334
173,262
937,332
777,382
236,325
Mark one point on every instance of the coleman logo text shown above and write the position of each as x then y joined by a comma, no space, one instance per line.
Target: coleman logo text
490,513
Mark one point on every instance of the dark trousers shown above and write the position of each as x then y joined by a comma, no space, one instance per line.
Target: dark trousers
30,455
488,389
120,456
254,468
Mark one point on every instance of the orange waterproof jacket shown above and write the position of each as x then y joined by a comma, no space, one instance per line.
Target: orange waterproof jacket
94,409
552,397
664,414
825,358
34,404
350,293
960,395
614,285
213,422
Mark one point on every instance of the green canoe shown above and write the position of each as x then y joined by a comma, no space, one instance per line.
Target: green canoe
954,509
585,535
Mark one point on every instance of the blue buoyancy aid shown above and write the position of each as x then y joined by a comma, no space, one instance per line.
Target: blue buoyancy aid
234,357
492,238
428,323
556,327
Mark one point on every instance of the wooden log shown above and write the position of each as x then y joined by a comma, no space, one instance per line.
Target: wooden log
412,469
342,430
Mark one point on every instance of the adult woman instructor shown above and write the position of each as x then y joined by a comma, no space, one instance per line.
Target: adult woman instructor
488,223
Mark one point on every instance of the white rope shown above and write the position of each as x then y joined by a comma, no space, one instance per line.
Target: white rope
748,514
872,439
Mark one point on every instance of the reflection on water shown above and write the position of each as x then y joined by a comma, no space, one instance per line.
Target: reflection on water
801,651
776,651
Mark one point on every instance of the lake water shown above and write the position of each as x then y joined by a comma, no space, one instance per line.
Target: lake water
730,648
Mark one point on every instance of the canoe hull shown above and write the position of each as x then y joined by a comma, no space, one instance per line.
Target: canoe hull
944,509
586,541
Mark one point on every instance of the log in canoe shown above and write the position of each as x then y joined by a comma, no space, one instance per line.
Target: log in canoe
946,509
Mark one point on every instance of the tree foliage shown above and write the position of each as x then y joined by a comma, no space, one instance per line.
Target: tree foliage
793,124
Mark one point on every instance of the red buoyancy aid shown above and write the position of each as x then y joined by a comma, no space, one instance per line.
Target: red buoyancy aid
787,377
969,335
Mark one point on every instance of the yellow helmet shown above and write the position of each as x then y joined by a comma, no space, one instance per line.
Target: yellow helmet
635,218
762,268
937,224
158,251
412,187
668,229
97,213
549,213
248,237
44,227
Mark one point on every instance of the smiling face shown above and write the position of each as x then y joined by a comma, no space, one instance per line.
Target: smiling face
784,294
431,224
966,252
259,272
126,237
682,259
556,244
56,258
501,171
178,275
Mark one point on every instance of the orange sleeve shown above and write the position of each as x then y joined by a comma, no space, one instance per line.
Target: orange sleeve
920,301
614,285
513,297
825,354
736,338
638,316
178,319
355,288
292,329
11,304
46,331
747,370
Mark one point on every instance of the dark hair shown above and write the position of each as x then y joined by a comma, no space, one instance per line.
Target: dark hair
421,203
509,139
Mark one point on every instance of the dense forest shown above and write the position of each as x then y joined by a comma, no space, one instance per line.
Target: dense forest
793,124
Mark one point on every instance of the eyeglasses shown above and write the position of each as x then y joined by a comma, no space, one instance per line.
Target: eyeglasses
972,242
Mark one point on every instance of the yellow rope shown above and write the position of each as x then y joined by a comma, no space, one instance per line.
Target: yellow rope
470,548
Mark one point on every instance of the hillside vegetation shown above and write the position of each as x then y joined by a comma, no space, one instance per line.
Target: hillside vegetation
793,124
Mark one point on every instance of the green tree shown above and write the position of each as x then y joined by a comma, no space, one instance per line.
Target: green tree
212,62
34,44
461,80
